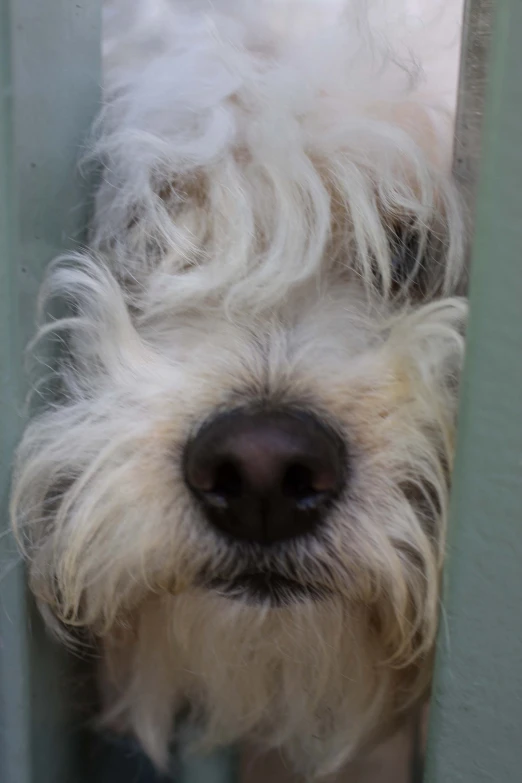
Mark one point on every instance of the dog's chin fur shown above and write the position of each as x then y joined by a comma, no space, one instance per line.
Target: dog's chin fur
275,226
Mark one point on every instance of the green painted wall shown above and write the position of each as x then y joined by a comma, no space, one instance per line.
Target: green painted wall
49,87
476,730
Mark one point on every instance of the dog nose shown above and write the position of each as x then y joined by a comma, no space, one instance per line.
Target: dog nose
265,476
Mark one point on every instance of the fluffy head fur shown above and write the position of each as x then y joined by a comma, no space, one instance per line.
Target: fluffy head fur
275,225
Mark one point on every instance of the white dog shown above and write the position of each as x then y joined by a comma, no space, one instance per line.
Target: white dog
241,492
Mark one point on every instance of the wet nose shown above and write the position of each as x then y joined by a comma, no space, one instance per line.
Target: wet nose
265,476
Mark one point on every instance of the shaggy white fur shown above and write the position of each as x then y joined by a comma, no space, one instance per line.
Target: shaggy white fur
275,223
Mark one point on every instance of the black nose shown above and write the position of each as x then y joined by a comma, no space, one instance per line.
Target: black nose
265,476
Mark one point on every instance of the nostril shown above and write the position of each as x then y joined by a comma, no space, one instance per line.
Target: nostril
217,484
297,482
228,483
303,485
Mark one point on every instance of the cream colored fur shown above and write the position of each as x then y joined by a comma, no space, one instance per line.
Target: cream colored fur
254,172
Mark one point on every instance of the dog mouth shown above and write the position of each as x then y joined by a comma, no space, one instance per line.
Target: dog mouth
266,587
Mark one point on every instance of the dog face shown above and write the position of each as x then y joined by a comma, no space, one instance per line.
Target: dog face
242,492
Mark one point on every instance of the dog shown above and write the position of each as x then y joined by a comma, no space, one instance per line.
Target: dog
238,494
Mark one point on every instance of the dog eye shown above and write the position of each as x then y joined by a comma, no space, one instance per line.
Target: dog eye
407,261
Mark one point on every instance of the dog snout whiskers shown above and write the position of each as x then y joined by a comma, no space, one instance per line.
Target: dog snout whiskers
265,476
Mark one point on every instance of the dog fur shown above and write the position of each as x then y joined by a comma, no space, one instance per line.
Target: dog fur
275,225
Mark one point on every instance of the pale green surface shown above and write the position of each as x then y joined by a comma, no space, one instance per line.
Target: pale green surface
476,732
219,767
49,86
14,688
